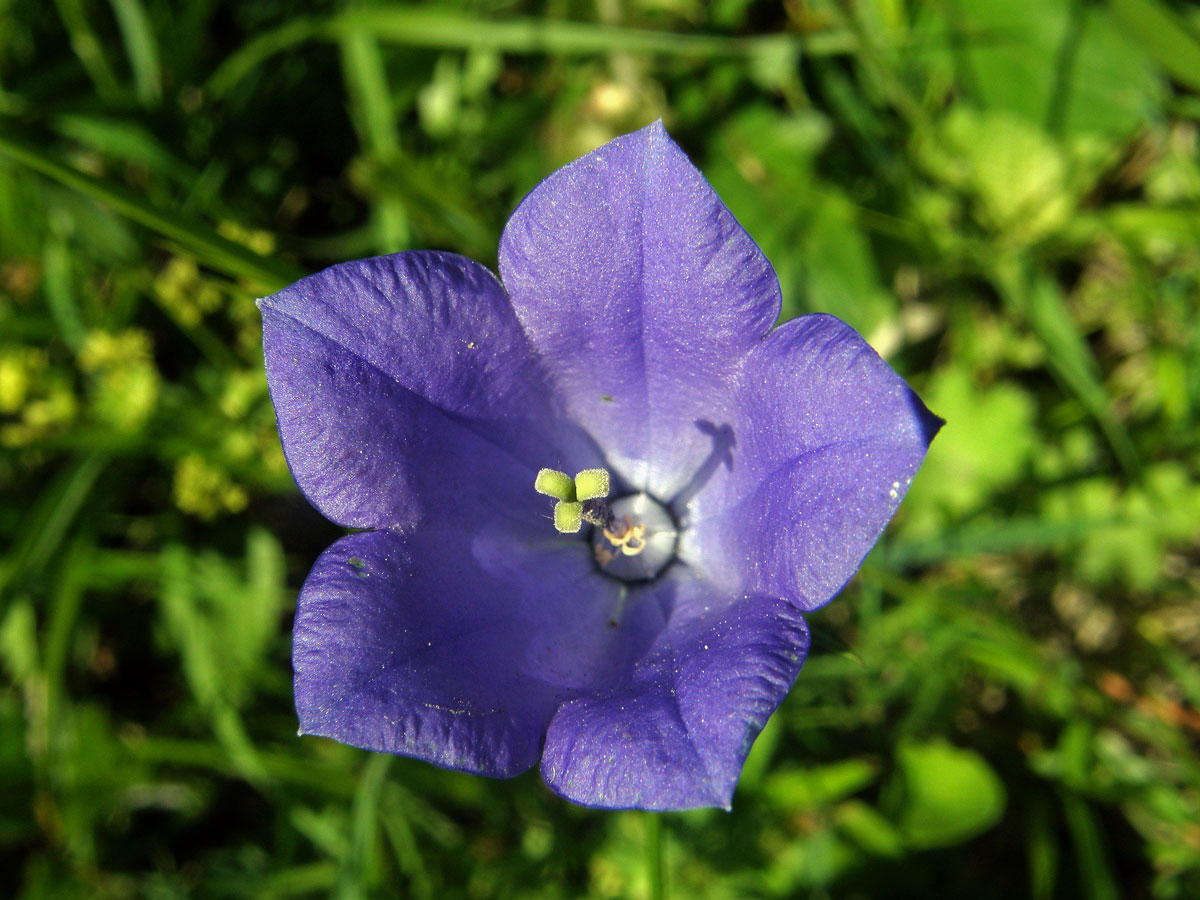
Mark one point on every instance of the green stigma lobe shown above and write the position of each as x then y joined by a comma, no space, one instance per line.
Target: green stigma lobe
591,484
555,484
568,516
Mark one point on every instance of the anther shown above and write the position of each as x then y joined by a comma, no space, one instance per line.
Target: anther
630,539
639,541
635,541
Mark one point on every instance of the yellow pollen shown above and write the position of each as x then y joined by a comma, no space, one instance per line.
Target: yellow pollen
631,539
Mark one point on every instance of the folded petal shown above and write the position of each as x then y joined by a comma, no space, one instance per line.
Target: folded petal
405,387
676,734
829,439
452,650
642,292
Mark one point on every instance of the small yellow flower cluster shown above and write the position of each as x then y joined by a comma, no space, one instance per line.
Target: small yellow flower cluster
125,383
206,491
184,294
35,400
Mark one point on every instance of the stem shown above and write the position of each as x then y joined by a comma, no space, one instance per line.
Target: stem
656,858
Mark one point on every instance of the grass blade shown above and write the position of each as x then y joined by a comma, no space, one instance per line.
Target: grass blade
375,119
141,49
87,47
60,293
263,273
449,30
51,517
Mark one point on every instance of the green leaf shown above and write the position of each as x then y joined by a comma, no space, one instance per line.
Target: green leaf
1163,35
948,795
870,829
826,640
17,822
819,786
51,518
995,536
18,642
124,139
1014,172
87,46
986,445
60,293
765,172
1043,851
1060,64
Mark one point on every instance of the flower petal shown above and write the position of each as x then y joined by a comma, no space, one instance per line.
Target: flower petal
452,650
381,664
405,387
676,734
829,438
641,291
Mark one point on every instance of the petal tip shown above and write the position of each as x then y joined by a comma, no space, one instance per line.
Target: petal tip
929,423
658,130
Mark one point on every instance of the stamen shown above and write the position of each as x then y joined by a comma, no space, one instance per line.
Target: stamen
638,543
630,539
635,543
597,512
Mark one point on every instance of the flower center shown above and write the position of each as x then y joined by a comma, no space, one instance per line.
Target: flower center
633,537
640,540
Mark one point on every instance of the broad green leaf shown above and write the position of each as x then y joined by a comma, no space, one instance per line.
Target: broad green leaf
808,228
1163,35
1015,174
986,444
947,794
1059,64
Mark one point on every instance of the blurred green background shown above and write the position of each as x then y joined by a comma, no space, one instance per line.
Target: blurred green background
1002,195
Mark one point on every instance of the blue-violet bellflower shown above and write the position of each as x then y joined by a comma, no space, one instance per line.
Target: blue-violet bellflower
710,479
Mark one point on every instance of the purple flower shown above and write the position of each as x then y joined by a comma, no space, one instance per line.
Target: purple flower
631,330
